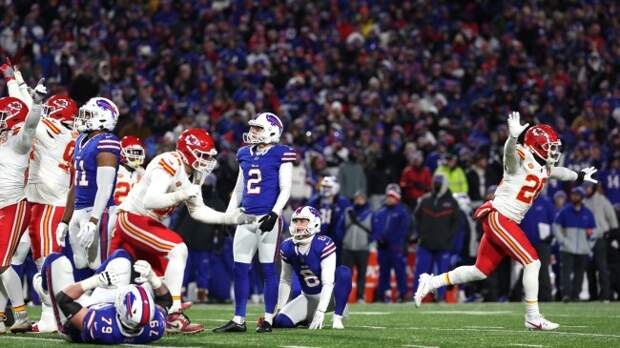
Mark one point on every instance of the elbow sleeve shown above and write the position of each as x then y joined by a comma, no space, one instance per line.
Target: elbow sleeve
67,305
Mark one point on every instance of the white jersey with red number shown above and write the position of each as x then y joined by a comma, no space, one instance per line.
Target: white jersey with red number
125,180
169,163
49,172
517,191
13,166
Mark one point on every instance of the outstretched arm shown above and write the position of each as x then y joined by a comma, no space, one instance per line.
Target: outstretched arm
286,281
565,174
511,159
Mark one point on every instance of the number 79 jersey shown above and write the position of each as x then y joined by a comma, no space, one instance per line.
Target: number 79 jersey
517,191
101,325
308,267
261,174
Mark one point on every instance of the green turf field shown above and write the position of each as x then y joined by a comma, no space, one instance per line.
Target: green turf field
473,325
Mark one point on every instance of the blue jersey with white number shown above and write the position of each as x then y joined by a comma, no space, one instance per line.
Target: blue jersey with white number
308,267
261,177
85,163
610,180
101,325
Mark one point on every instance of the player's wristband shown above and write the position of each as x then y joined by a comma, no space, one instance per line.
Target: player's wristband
155,281
580,176
90,283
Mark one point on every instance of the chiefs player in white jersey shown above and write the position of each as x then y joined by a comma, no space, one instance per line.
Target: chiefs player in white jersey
528,164
17,129
130,171
165,185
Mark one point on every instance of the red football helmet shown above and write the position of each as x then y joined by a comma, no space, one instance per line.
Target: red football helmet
197,149
12,112
132,151
61,108
543,141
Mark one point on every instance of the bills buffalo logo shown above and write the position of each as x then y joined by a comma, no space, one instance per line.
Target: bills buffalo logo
107,106
314,211
273,120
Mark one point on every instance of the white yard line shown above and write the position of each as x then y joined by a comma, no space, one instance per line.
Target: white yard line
468,312
371,327
483,327
370,313
297,347
527,345
418,346
558,333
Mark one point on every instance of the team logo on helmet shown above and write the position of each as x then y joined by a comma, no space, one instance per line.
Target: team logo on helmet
314,211
274,120
106,106
14,107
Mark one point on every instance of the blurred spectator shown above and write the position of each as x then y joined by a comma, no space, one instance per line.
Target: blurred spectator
415,179
390,227
605,220
613,257
537,224
437,221
573,228
559,200
479,176
351,175
457,182
301,189
357,236
331,205
610,179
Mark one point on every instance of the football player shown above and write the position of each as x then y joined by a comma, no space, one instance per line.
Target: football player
312,259
115,311
95,163
263,188
165,185
530,158
332,207
17,129
130,171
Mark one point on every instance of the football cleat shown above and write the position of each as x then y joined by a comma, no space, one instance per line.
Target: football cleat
231,326
22,323
262,325
337,322
424,288
540,323
179,323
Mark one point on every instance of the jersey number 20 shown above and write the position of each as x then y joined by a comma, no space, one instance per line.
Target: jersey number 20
531,189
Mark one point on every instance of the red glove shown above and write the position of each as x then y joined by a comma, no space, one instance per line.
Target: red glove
7,70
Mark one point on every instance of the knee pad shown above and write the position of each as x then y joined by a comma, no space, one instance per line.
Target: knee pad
282,321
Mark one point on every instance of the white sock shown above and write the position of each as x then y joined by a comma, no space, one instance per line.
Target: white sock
269,318
239,319
4,299
13,286
337,317
530,288
177,258
459,275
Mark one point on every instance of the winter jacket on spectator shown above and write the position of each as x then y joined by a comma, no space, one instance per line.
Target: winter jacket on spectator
415,182
352,178
610,181
437,216
538,220
390,227
357,227
457,181
572,228
604,214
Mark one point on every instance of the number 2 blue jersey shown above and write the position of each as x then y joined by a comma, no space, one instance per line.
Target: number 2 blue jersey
261,174
308,267
101,325
85,163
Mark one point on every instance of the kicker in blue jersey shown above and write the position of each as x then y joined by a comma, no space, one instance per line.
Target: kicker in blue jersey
262,177
85,163
308,267
101,325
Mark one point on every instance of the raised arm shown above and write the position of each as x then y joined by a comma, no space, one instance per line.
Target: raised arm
511,159
26,135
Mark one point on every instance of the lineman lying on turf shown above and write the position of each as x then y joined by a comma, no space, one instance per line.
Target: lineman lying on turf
115,311
312,257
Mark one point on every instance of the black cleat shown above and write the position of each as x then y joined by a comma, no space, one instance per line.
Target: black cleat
263,326
231,326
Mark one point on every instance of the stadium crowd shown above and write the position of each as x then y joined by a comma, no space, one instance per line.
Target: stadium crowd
403,103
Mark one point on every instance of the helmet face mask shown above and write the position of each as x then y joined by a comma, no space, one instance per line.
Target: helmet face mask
266,128
305,223
205,161
134,156
544,143
97,114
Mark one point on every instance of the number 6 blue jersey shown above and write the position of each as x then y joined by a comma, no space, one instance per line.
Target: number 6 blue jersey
308,267
261,175
101,325
85,164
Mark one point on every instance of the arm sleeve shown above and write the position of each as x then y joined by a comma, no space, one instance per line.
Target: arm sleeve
105,187
200,212
511,161
328,274
156,196
26,135
286,180
563,174
16,92
284,290
237,193
23,87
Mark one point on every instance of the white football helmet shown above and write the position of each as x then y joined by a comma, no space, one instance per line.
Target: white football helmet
97,114
135,307
313,227
329,186
271,129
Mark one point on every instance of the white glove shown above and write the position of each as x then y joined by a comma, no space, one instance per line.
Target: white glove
61,233
587,174
317,321
108,279
39,92
238,217
86,236
190,191
514,124
146,274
